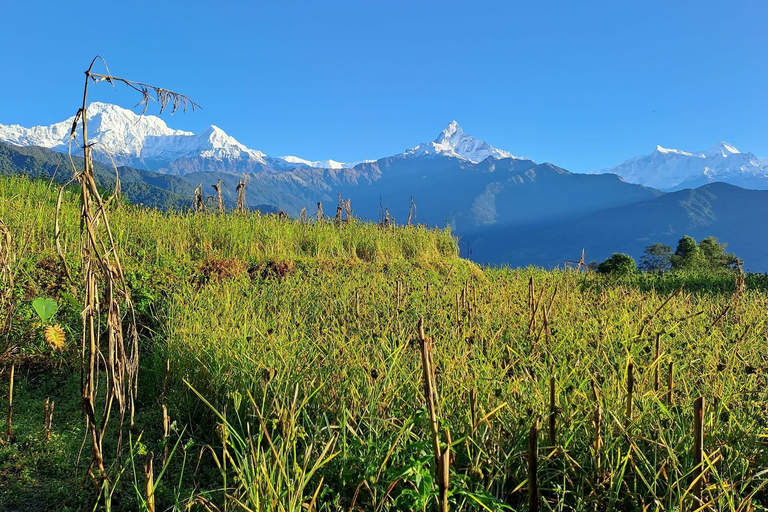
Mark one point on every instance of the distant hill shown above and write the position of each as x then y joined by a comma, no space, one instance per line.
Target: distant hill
507,211
734,215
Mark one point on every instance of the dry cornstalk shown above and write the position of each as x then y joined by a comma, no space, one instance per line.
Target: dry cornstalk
552,413
10,400
105,286
630,392
698,449
150,482
442,457
533,467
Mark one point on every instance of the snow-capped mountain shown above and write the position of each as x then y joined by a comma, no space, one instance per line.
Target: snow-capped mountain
453,142
147,142
673,169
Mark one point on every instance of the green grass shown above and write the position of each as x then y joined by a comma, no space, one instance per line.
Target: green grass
294,360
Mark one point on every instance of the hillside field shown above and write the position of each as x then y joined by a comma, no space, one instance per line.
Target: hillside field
288,358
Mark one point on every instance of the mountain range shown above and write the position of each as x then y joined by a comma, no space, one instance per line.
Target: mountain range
506,209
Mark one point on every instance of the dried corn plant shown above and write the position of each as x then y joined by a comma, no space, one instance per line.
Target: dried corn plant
199,199
116,351
219,197
412,212
6,281
241,205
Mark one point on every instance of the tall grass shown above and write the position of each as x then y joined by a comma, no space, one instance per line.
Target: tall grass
293,353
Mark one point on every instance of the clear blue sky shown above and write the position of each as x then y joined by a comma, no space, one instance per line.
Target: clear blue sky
582,84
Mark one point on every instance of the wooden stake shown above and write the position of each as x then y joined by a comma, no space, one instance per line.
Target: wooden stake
533,466
698,448
552,413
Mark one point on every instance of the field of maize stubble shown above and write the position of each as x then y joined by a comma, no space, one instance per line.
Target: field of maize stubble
288,365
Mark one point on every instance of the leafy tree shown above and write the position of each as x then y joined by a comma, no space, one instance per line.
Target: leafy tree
714,255
687,254
709,254
656,258
618,264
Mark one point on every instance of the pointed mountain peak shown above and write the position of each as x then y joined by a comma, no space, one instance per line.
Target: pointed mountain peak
722,148
452,130
453,142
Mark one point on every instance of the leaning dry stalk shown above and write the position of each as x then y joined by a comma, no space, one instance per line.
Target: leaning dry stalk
412,212
442,457
105,286
320,215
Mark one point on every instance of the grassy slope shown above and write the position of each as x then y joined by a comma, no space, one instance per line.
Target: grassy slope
299,331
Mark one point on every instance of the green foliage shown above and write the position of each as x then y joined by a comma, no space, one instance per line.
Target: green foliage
707,254
45,308
300,340
656,258
618,264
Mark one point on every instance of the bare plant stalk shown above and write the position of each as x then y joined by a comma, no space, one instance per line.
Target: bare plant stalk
241,196
150,484
199,199
670,382
219,196
598,439
10,400
320,215
630,392
698,448
105,285
49,422
656,366
442,457
552,413
166,434
412,212
533,467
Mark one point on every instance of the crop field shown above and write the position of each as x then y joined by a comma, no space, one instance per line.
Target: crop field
288,365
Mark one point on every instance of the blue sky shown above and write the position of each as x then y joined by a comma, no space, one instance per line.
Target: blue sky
581,84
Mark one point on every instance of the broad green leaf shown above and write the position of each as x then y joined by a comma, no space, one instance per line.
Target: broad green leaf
45,308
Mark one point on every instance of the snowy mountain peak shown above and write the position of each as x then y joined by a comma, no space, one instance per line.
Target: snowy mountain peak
453,142
673,169
668,151
453,129
722,149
